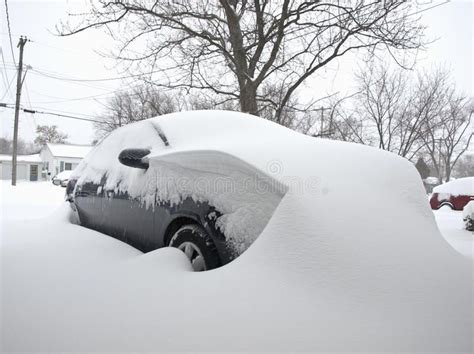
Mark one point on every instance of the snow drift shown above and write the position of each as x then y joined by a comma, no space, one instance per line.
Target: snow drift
350,260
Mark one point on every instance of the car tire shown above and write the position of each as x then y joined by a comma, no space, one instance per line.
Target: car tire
446,204
196,244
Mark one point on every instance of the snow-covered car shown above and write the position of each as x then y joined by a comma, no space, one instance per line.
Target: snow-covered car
145,187
62,178
454,194
468,216
324,275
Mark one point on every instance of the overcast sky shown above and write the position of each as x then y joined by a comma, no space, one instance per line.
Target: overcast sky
76,57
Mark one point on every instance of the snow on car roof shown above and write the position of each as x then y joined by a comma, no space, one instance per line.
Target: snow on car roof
22,158
461,186
64,174
69,150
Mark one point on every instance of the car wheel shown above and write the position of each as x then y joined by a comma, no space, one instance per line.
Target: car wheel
446,204
196,244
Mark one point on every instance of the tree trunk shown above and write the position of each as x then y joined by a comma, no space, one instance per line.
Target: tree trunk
248,99
448,171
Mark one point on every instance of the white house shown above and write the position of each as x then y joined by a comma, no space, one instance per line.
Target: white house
60,157
28,167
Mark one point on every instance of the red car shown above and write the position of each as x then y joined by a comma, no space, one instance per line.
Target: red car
455,194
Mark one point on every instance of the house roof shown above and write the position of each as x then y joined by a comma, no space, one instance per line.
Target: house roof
22,158
69,150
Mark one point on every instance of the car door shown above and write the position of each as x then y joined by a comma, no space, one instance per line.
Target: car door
88,197
128,219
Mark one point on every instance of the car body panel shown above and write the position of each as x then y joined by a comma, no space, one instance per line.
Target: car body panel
458,202
143,227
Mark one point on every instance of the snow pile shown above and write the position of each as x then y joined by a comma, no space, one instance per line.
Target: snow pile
461,186
322,276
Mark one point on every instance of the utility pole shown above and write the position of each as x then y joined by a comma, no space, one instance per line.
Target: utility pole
322,133
19,83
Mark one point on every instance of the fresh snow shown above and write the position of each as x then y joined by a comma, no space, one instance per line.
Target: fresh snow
451,225
22,158
63,175
322,276
69,150
28,200
461,186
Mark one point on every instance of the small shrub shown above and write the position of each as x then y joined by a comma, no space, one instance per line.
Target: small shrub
468,216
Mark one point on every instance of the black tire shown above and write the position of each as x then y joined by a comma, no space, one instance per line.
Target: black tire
194,241
446,204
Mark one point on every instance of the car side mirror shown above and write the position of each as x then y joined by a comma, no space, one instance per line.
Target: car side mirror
133,158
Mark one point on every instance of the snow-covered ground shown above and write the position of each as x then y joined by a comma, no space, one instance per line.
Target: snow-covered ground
374,275
88,288
29,200
451,225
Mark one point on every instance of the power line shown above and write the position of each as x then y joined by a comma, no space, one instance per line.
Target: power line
65,78
9,30
106,95
43,74
62,115
8,87
51,110
429,8
29,105
4,72
34,111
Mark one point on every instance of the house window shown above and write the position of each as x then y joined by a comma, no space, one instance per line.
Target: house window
68,166
61,166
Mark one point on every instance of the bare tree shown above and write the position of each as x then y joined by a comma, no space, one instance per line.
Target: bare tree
455,132
49,134
395,109
234,47
347,126
447,123
125,107
410,115
464,166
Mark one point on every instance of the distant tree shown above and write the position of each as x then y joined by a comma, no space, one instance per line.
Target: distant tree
344,124
447,127
5,146
464,167
49,134
235,48
394,108
24,148
422,168
125,107
408,115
